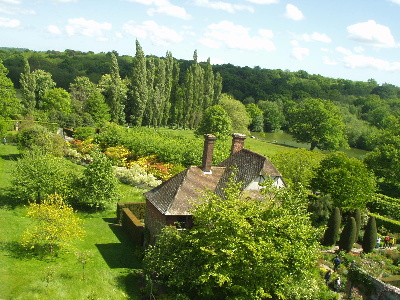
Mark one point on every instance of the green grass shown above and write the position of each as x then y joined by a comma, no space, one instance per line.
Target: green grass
111,273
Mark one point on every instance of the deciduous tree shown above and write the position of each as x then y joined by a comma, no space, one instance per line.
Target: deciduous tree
348,180
241,249
215,121
317,122
55,225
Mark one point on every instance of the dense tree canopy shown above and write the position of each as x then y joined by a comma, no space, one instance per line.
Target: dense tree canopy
317,122
239,249
348,180
215,121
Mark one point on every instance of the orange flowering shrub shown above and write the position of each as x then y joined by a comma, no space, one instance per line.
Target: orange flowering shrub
84,147
162,171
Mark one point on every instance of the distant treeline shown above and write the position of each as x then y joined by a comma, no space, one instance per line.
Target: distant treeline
154,91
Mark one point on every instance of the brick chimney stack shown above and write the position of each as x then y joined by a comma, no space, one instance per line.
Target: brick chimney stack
237,142
209,140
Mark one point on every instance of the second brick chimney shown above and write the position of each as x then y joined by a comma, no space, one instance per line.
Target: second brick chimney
237,142
209,140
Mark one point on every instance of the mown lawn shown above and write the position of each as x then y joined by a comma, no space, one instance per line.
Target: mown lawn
114,260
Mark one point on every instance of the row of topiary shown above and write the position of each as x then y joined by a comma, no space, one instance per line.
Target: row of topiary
349,234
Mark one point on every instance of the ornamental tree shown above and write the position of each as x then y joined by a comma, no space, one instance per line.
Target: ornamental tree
241,249
349,182
98,187
370,235
318,122
348,235
332,231
215,121
55,225
38,175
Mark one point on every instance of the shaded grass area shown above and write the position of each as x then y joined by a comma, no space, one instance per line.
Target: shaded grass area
112,270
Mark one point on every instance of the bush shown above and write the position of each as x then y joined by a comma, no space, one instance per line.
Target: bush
389,224
385,206
136,176
84,133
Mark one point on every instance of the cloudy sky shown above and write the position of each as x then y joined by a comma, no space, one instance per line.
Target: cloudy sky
351,39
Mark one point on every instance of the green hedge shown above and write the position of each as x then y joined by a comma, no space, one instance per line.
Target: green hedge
389,224
385,206
137,208
133,226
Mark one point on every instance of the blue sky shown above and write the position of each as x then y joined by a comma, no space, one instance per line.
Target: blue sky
351,39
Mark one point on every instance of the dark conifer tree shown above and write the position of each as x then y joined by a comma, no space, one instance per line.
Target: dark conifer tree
357,218
348,235
370,235
332,231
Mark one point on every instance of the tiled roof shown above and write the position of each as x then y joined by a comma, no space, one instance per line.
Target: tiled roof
176,195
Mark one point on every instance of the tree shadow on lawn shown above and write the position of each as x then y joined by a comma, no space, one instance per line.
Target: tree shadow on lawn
8,200
16,250
10,156
123,254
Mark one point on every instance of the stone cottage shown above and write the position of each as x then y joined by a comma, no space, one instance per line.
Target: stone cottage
173,200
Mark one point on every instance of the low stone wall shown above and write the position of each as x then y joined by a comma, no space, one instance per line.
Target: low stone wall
373,288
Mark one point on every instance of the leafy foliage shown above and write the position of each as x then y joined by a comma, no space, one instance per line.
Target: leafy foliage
98,186
239,248
317,122
38,175
237,113
215,121
297,166
348,180
55,225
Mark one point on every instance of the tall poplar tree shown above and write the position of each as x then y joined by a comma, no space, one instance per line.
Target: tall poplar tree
139,91
176,98
28,87
208,96
118,93
217,88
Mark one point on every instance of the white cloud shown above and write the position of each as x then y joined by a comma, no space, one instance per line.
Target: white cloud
362,61
90,28
293,13
164,7
219,5
316,36
371,33
300,52
15,10
328,61
53,29
9,23
343,50
228,34
359,49
159,35
170,10
263,1
395,1
64,1
10,1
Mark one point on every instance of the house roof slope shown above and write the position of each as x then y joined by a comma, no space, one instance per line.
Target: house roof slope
250,165
177,195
